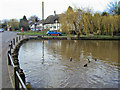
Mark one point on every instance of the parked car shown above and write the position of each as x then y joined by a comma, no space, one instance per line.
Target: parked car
1,30
53,33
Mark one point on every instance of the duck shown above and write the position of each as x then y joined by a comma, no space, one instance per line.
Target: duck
85,65
88,60
42,58
95,59
70,59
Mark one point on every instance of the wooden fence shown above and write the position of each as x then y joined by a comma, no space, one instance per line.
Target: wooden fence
19,76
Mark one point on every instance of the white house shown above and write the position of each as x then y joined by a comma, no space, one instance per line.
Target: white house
38,26
52,22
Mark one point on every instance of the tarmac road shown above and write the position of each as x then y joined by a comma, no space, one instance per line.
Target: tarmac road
5,38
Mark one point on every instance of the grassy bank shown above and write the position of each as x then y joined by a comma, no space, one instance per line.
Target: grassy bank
32,33
40,33
103,37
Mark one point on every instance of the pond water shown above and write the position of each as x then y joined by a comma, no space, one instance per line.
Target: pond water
50,67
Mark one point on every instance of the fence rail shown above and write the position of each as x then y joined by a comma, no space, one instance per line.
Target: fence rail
11,61
19,76
21,81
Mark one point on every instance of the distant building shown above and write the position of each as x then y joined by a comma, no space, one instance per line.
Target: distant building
38,26
50,23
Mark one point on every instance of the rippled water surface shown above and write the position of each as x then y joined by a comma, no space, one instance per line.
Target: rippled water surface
55,70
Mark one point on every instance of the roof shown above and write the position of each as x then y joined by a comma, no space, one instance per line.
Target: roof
51,19
40,22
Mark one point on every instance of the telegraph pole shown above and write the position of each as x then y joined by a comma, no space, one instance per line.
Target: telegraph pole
42,10
43,17
43,32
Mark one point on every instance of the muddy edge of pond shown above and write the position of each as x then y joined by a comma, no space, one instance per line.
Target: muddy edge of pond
68,38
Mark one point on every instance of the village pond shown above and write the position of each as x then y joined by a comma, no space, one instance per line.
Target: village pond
53,69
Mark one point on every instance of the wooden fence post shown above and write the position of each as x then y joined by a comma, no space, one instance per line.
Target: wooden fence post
17,39
22,75
13,41
16,61
16,78
15,56
11,45
9,62
10,49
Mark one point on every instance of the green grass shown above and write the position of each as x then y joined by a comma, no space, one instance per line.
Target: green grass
32,33
35,33
104,37
101,37
92,37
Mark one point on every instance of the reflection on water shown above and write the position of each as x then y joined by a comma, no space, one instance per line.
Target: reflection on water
57,71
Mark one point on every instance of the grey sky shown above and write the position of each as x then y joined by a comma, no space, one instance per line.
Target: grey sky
18,8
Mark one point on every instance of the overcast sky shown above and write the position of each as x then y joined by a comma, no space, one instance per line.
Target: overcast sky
18,8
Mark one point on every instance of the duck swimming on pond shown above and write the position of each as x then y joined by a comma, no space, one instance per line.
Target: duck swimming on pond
85,65
95,59
70,59
42,58
88,60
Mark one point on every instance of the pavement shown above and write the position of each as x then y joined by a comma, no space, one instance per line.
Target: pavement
5,38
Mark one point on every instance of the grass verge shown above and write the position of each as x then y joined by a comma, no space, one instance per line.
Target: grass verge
40,33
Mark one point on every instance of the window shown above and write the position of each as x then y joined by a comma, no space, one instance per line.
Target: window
54,26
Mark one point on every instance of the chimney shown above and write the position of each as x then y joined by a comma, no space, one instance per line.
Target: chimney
55,13
42,10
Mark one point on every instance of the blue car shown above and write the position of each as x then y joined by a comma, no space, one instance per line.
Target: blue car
53,33
1,30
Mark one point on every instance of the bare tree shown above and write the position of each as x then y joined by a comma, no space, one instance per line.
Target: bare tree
114,7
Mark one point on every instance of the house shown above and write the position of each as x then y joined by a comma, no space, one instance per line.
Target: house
37,25
52,22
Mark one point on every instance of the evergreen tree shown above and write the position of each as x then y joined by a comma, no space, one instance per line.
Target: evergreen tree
24,23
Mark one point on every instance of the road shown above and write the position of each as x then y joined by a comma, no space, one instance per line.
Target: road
5,38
